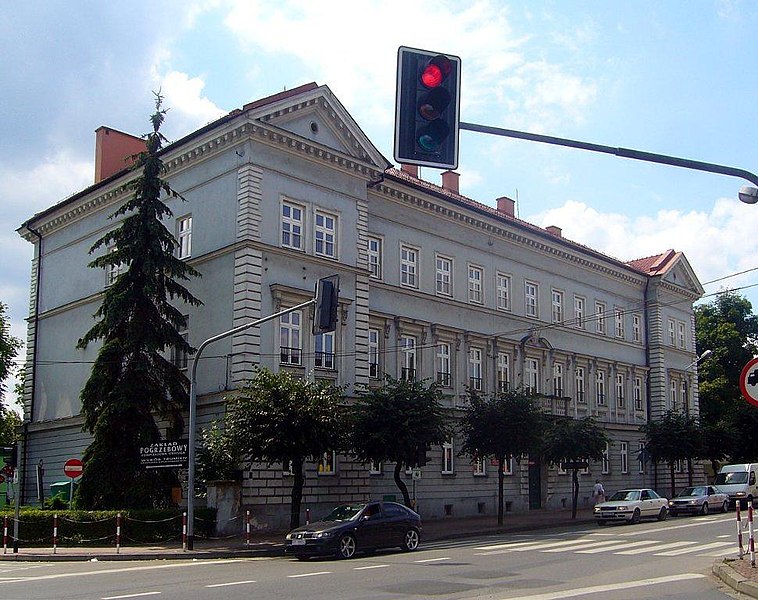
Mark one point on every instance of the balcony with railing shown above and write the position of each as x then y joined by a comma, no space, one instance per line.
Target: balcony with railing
408,374
290,356
444,379
324,360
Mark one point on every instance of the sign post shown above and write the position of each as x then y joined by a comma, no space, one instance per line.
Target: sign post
72,468
749,381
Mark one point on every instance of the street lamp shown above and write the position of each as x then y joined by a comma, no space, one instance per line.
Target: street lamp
748,194
700,358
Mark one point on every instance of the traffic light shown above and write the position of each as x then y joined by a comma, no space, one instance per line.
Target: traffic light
427,108
327,301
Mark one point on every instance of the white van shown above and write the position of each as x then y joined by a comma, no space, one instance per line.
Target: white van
739,481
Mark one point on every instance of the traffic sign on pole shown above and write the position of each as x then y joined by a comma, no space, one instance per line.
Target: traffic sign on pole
73,468
749,381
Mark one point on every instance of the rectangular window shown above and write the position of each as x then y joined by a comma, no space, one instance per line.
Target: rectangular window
448,466
606,461
325,237
374,371
557,296
531,375
408,348
375,257
682,338
475,279
638,393
531,308
674,386
290,348
636,328
618,315
672,334
503,372
641,457
324,350
184,237
580,389
624,452
292,226
327,463
685,398
375,468
112,272
178,356
408,266
475,369
503,285
558,379
620,382
600,387
508,466
480,467
444,276
443,365
579,312
600,318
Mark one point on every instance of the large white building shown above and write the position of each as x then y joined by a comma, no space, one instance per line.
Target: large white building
433,285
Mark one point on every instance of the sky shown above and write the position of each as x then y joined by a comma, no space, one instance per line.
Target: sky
675,77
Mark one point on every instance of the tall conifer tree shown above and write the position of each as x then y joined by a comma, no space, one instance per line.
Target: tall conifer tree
132,381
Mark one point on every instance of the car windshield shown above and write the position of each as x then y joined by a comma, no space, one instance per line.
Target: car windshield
730,478
628,495
345,512
693,491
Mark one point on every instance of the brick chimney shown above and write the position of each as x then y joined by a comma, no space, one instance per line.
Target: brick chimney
553,230
506,206
410,169
450,181
113,151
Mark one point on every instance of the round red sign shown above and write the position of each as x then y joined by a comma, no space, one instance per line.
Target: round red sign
73,468
749,381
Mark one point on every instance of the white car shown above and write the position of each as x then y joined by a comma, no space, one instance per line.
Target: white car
698,500
630,506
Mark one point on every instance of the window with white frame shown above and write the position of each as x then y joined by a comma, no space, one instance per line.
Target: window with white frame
375,468
600,318
600,387
503,372
327,463
475,369
531,308
579,312
641,457
480,467
579,379
112,272
178,355
618,316
444,276
475,280
408,266
681,335
685,397
503,291
184,237
508,466
375,257
292,226
673,388
448,466
532,375
374,370
290,342
679,466
672,334
606,461
620,383
638,393
325,235
443,364
557,304
323,345
557,379
408,349
624,454
636,328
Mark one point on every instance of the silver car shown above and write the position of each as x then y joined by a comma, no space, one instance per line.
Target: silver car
630,506
698,500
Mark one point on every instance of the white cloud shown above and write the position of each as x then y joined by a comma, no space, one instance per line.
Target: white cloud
184,95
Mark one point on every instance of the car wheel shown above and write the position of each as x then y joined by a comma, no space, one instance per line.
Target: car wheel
725,506
411,541
346,546
704,509
635,516
663,514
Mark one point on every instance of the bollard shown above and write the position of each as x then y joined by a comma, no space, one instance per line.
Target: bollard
184,531
55,533
307,516
5,535
247,528
751,539
739,529
118,533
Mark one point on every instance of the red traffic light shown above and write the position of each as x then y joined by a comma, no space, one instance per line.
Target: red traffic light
436,71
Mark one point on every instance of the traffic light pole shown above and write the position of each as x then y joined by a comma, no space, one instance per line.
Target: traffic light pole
622,152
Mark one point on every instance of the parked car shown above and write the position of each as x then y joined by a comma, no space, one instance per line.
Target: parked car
698,500
631,506
351,528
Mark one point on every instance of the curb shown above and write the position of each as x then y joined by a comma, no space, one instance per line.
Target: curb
735,580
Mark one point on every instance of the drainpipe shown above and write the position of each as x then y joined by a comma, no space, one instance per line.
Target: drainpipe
647,363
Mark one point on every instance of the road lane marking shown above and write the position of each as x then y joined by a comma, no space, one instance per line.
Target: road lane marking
580,546
655,548
613,587
130,596
309,574
215,585
511,545
429,560
619,546
371,567
538,545
695,549
697,523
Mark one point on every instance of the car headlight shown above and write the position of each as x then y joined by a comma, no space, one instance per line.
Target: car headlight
323,534
597,509
288,536
622,508
693,502
671,503
740,494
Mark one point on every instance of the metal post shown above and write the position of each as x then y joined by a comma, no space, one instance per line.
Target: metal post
247,527
193,412
17,478
55,532
118,533
739,529
751,539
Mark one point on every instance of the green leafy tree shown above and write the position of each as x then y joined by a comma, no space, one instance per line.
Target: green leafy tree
280,418
398,422
728,328
502,426
132,381
574,443
9,349
674,437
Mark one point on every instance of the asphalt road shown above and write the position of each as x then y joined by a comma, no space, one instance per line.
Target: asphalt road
652,560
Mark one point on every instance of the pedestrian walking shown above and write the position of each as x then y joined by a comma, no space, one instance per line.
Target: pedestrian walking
598,492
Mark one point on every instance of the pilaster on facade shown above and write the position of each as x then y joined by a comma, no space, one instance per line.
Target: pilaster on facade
362,296
246,346
31,340
249,179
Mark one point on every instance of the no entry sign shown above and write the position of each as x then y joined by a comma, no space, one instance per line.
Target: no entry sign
749,382
73,468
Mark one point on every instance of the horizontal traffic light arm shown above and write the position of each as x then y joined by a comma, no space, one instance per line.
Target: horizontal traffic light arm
622,152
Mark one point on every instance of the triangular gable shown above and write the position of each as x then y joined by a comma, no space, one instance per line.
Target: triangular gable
314,112
680,273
